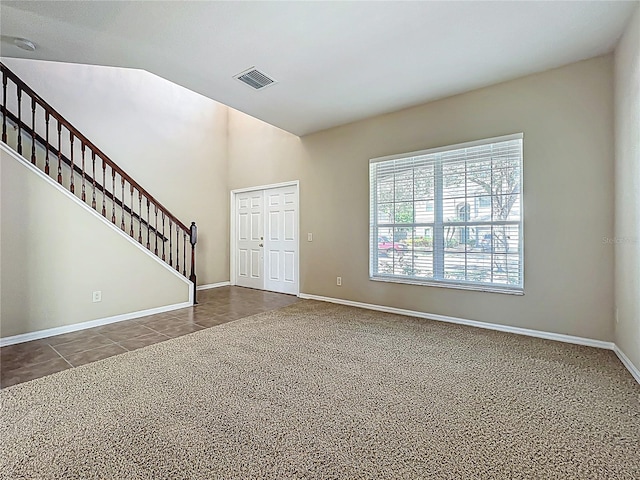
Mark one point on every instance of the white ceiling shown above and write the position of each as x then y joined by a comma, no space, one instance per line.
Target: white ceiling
335,62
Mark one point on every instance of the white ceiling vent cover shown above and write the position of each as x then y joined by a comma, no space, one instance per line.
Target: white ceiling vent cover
255,78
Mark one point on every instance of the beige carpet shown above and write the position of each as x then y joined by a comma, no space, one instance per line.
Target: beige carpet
319,391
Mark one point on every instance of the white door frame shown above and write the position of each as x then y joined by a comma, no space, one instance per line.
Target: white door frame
233,241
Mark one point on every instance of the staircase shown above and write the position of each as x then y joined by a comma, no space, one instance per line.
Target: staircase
43,137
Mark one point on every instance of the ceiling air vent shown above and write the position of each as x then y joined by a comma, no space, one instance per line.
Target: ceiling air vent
255,78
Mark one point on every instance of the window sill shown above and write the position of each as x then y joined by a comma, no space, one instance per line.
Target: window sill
456,286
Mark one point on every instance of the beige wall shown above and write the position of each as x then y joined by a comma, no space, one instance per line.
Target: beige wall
171,140
627,183
566,115
51,264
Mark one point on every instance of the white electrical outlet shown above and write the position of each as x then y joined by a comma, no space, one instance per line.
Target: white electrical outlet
97,296
309,237
339,281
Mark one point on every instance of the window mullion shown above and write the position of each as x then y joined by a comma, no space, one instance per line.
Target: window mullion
413,219
466,229
493,200
373,267
438,229
393,216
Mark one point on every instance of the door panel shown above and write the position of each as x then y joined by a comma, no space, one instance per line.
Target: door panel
289,266
249,255
274,265
243,226
243,263
256,264
281,241
289,225
274,231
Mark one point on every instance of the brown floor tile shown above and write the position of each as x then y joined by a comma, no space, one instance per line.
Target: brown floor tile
157,316
208,295
21,355
179,330
212,321
32,372
202,299
200,314
130,331
281,301
73,336
164,323
185,317
207,312
143,341
214,302
210,306
117,326
82,345
248,310
95,354
230,316
219,310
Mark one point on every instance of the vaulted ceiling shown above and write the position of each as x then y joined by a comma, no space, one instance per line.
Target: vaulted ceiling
334,62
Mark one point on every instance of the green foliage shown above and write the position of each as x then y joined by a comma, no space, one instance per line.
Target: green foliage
421,242
404,213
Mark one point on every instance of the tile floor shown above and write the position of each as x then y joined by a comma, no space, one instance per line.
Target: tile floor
26,361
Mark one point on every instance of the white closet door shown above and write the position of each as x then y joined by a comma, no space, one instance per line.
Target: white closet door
250,239
281,239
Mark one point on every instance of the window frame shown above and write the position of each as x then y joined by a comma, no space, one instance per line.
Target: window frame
438,221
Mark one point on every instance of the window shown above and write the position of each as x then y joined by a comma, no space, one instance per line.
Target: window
449,216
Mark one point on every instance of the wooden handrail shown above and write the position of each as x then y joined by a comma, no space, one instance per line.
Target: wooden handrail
48,108
78,170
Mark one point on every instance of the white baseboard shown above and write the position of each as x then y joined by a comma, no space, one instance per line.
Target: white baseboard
471,323
213,285
635,372
51,332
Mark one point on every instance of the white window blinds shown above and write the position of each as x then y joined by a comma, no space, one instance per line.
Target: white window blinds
450,216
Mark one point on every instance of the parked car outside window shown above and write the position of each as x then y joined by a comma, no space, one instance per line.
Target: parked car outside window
386,246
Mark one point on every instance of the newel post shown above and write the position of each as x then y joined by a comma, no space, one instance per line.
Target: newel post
193,239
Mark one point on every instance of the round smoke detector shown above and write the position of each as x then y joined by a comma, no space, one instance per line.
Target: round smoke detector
24,44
